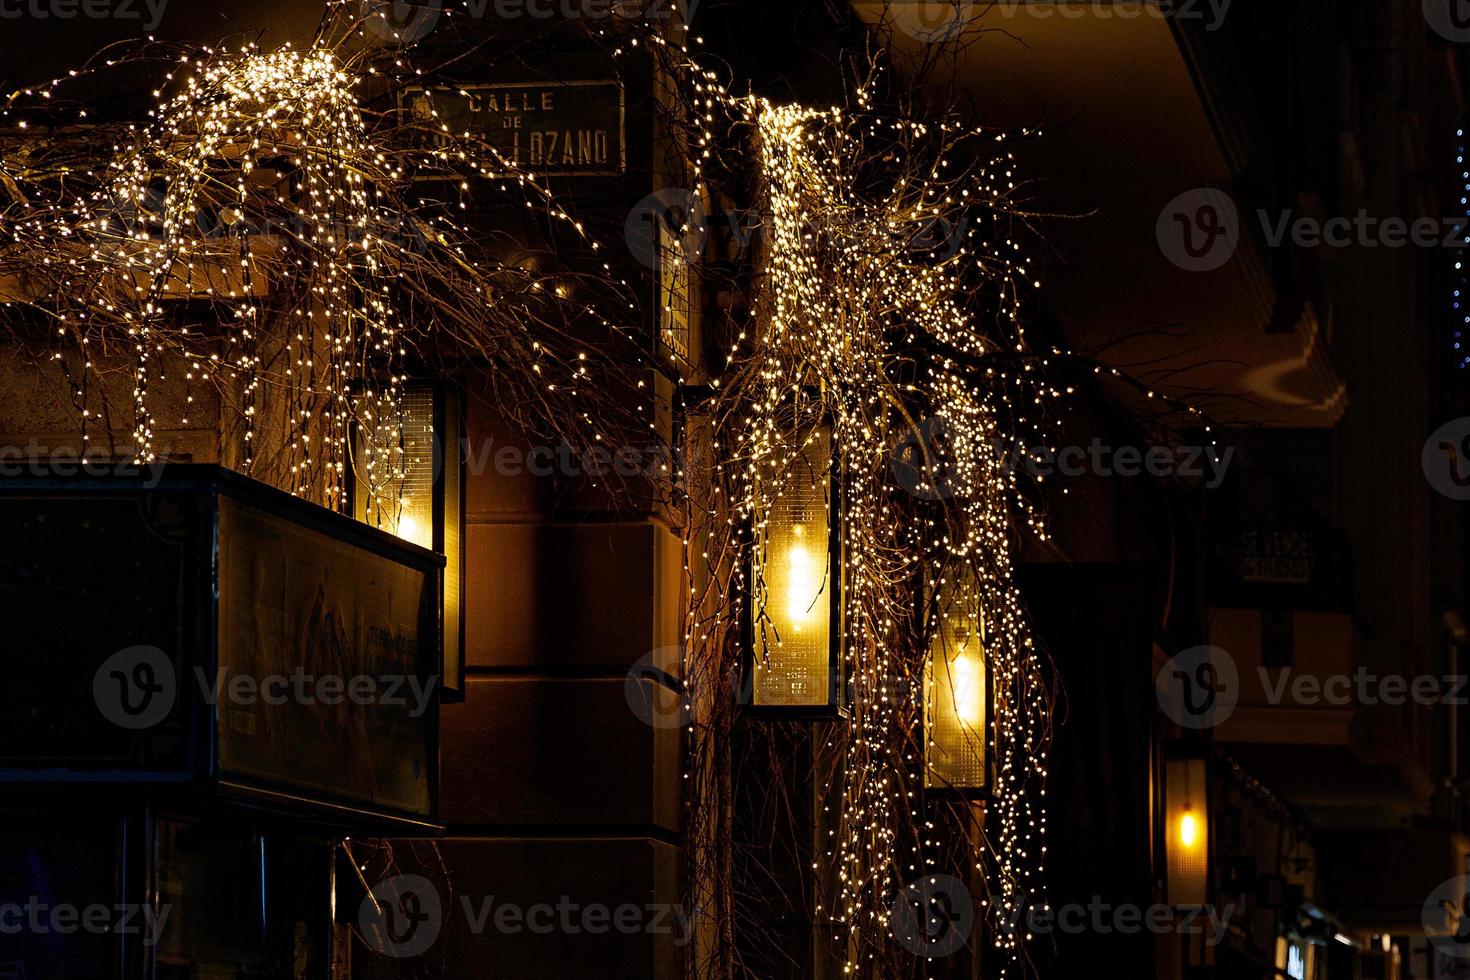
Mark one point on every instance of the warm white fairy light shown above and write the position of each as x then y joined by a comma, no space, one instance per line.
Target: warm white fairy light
256,187
1460,299
249,137
855,325
845,301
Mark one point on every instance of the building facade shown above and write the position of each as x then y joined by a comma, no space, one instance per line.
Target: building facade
1251,596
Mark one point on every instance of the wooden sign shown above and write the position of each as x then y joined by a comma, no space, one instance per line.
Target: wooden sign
572,128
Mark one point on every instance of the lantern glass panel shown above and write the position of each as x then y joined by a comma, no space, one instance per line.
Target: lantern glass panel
794,664
395,467
956,698
407,479
1187,831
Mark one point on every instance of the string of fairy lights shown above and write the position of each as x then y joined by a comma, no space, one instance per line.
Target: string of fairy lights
275,140
1460,304
260,185
842,280
260,189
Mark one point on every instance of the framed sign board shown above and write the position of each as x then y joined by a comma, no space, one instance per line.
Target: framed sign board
559,129
188,625
338,631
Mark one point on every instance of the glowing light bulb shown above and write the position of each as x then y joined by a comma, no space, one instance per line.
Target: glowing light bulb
1188,828
969,690
803,585
410,529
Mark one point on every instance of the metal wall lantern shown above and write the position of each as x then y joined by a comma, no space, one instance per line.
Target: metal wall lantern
794,617
956,698
408,479
1187,830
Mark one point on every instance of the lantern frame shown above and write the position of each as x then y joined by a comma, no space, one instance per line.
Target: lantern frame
448,486
929,609
838,697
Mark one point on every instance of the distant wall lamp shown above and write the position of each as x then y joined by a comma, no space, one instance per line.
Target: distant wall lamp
408,479
1187,830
